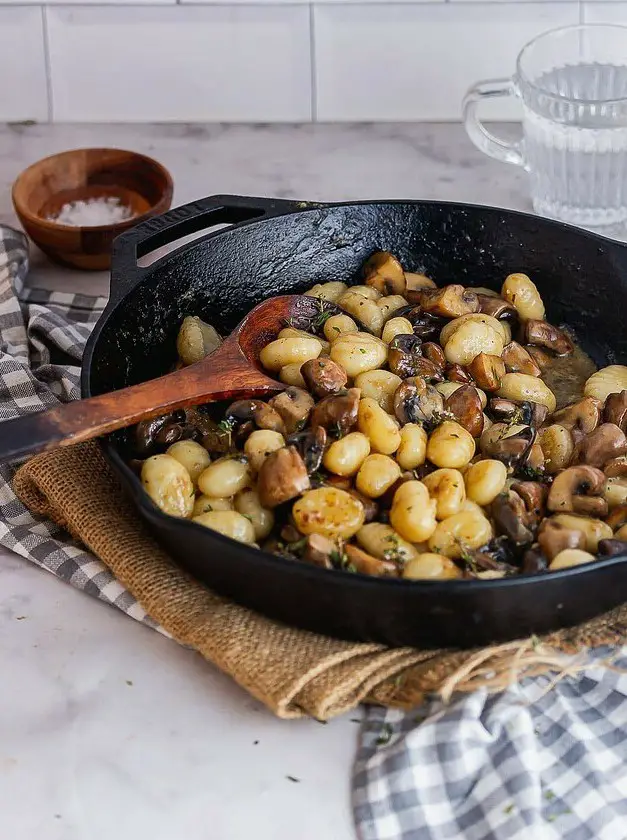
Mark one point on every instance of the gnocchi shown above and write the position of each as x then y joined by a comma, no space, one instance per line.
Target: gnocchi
373,460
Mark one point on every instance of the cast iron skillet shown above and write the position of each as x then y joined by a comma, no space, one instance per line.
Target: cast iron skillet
276,247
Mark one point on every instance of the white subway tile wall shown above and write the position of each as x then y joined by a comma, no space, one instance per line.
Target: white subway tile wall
266,60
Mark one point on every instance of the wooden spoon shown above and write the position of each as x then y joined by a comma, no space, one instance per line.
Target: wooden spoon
231,371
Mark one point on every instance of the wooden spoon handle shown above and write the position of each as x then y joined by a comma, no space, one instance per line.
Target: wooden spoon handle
228,375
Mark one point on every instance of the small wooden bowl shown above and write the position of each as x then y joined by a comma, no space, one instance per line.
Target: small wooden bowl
139,182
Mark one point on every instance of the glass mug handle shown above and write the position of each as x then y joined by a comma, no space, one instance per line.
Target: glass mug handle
503,150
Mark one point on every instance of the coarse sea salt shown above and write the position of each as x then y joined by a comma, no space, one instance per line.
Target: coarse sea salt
94,212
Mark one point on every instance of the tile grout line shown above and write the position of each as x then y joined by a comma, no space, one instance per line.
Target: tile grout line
48,63
313,83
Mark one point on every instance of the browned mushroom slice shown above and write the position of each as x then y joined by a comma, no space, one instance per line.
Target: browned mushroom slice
602,445
338,412
366,564
534,561
282,476
534,496
405,359
527,413
509,515
497,307
617,517
417,402
458,373
319,550
264,415
311,444
554,537
435,354
584,415
450,301
518,360
384,272
426,326
611,548
465,404
578,490
542,334
487,370
511,446
616,467
540,356
294,406
415,285
323,376
615,410
267,417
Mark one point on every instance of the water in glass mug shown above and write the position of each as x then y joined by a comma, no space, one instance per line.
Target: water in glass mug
574,127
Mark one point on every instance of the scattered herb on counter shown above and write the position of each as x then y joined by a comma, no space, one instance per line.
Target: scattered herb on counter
292,778
509,808
129,682
549,795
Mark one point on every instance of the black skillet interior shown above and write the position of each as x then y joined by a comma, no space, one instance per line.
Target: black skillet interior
276,247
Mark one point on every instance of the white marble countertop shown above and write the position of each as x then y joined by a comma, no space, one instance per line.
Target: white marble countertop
107,728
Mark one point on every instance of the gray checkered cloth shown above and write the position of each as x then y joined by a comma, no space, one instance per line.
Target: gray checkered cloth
528,764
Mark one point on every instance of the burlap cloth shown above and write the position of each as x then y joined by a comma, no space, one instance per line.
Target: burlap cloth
293,672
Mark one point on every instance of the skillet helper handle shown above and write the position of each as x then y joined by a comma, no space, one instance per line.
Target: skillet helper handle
486,142
183,221
231,375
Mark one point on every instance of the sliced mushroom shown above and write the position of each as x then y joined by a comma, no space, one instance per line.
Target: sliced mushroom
487,370
323,376
611,548
337,412
311,444
263,414
509,515
540,357
602,445
384,272
541,334
458,373
426,326
417,402
615,410
435,354
554,537
518,360
509,444
527,413
415,284
405,359
578,490
616,467
534,496
294,406
366,564
154,433
465,404
282,476
534,561
617,517
450,301
319,550
584,415
497,307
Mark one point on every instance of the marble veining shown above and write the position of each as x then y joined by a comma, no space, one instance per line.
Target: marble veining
106,728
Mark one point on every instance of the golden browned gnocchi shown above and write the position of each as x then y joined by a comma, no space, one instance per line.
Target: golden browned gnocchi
423,435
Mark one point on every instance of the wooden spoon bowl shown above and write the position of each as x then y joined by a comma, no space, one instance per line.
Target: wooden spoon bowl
139,182
231,371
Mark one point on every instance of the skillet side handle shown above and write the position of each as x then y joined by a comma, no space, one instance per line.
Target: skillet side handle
180,222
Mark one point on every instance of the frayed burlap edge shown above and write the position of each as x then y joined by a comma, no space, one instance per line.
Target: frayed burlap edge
291,671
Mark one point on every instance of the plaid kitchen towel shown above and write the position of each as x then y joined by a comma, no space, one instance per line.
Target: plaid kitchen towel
527,764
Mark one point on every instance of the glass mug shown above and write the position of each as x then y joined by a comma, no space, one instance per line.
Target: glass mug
573,86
